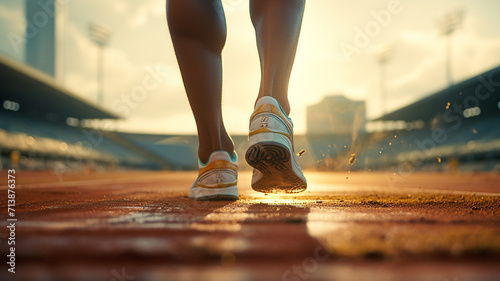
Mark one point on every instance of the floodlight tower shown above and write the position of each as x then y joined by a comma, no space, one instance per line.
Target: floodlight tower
383,56
447,25
100,34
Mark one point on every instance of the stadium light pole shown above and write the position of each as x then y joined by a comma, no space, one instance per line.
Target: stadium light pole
100,34
383,56
447,25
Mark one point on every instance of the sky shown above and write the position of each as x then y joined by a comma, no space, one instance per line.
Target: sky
337,54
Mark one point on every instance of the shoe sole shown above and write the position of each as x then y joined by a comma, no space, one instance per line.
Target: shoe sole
274,161
212,194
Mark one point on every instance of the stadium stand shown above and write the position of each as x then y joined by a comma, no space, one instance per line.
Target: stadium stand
180,152
33,124
459,125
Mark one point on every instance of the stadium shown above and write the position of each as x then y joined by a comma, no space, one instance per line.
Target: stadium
46,127
408,194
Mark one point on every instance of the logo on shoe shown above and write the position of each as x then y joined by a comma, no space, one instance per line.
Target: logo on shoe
219,178
264,122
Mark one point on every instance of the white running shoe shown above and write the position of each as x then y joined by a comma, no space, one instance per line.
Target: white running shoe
217,179
270,150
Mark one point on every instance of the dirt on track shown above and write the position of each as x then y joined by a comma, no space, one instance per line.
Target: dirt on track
346,226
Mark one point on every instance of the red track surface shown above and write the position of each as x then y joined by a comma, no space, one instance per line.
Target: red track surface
347,226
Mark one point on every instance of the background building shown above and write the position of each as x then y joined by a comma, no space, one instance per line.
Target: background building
40,36
336,115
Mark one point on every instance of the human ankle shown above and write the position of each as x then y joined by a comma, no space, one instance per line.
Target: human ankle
283,101
206,149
